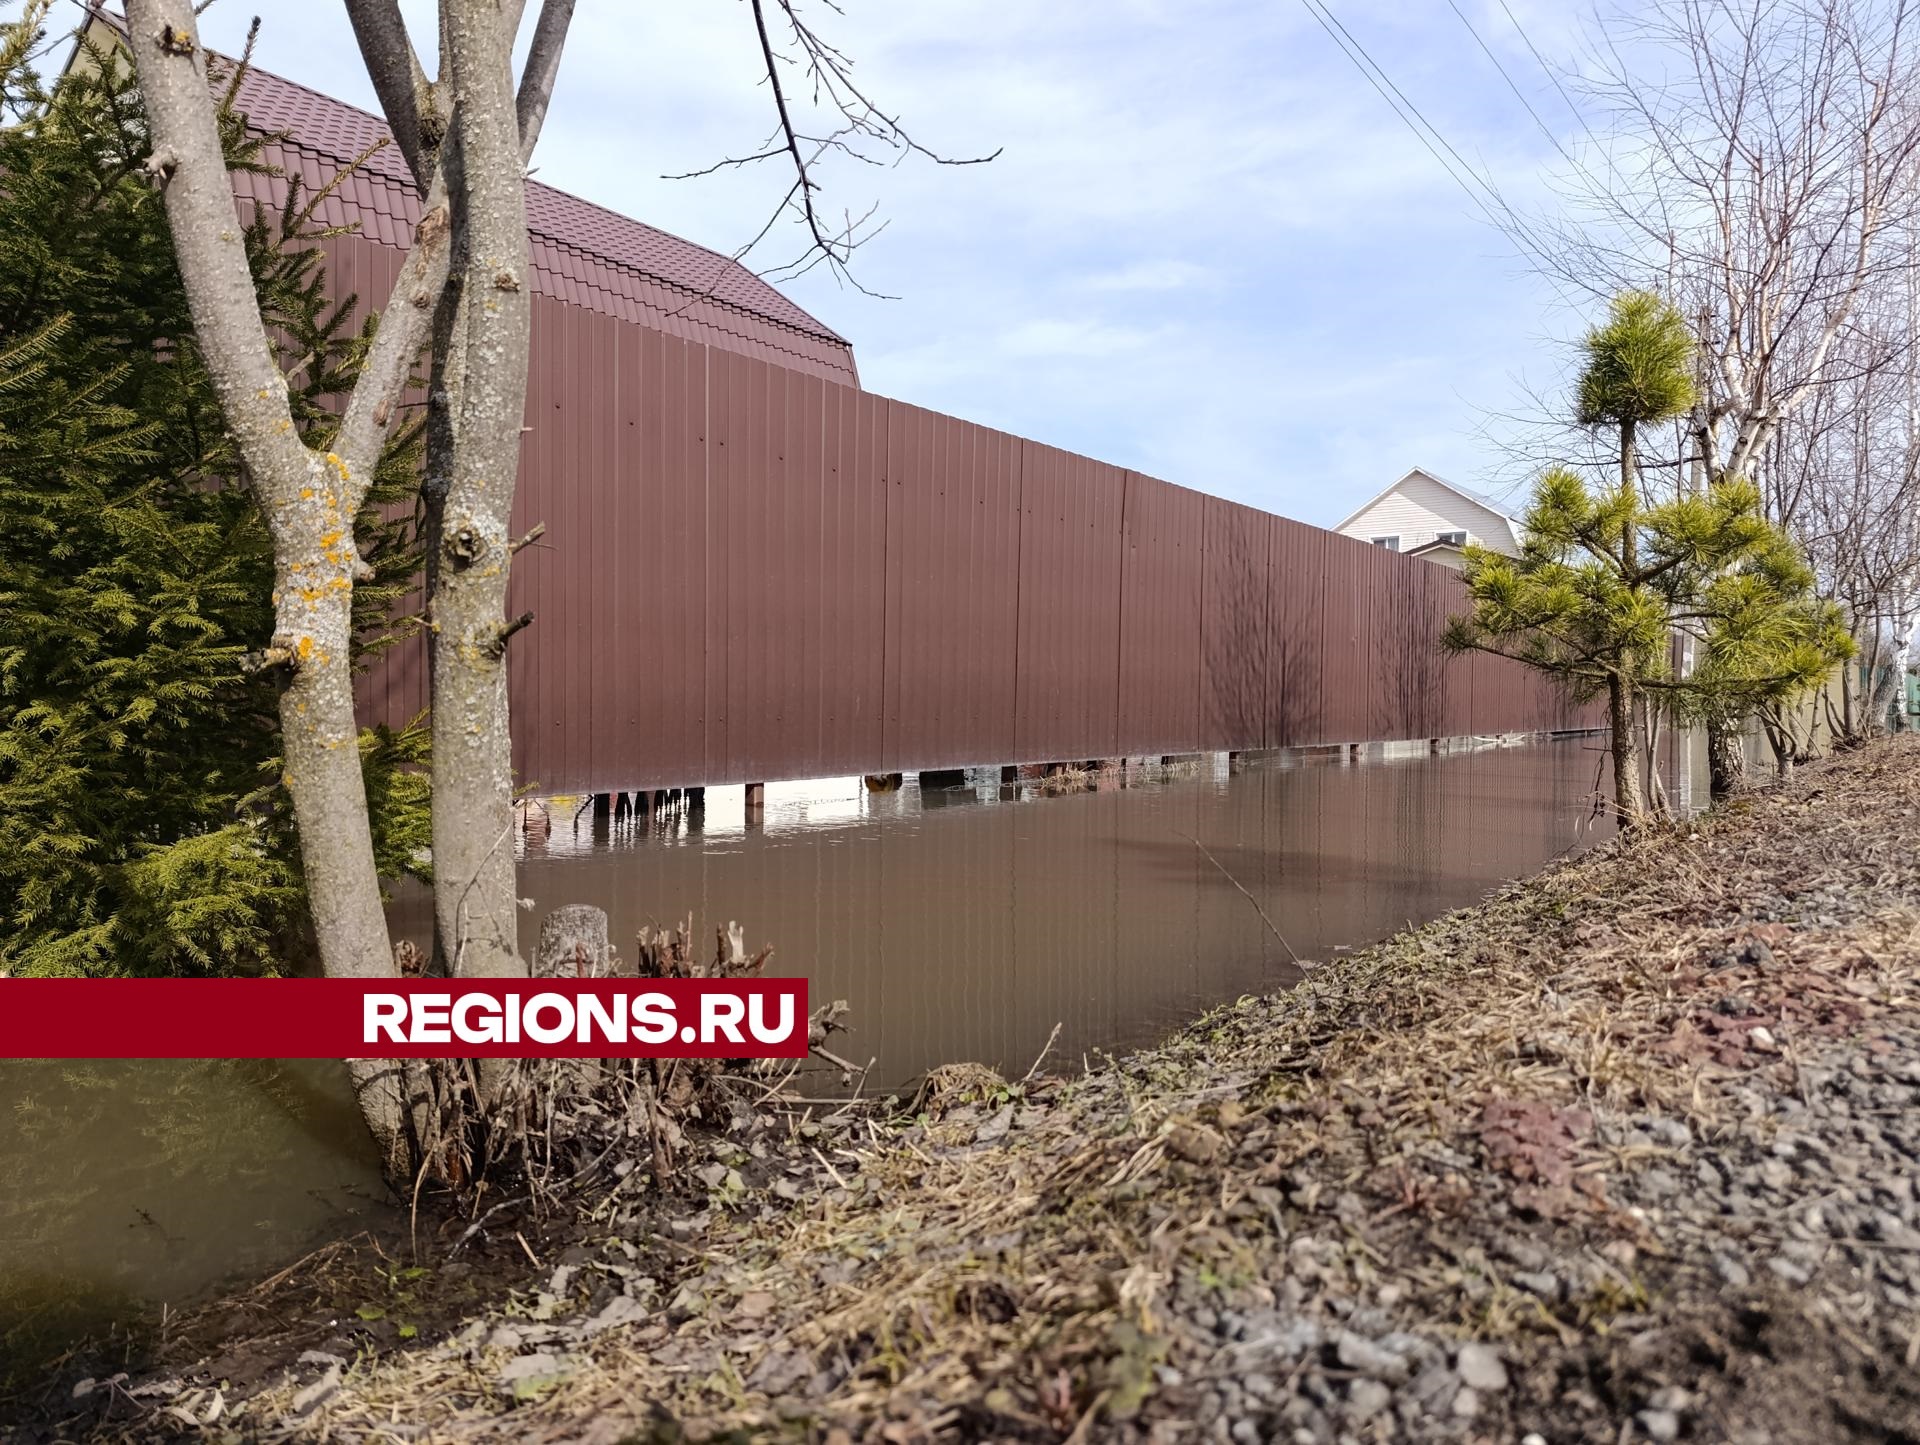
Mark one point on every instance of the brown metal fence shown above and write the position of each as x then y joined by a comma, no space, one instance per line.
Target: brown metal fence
751,574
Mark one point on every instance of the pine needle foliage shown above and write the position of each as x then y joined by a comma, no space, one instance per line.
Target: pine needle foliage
1607,579
1639,364
142,826
1710,567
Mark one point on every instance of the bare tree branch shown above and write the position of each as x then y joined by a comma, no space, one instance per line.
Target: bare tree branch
487,342
541,70
404,328
827,72
308,499
188,162
405,93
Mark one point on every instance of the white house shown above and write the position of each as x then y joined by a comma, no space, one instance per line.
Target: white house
1428,516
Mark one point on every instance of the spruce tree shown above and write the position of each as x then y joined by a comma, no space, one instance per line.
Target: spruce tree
142,826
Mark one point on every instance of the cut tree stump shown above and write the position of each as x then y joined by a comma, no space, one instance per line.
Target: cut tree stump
573,943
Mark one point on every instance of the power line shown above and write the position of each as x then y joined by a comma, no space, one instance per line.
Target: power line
1518,94
1377,69
1551,74
1507,222
1406,120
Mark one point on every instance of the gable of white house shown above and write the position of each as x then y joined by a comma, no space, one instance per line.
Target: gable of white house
1417,510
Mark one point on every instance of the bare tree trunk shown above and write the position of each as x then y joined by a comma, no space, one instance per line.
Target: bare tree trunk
309,500
1779,739
443,403
1658,805
1726,758
1629,790
475,903
1628,796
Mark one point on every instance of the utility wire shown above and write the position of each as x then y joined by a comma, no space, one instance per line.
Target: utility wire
1377,69
1492,205
1518,94
1406,120
1550,72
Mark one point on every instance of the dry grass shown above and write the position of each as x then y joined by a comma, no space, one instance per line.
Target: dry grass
1018,1266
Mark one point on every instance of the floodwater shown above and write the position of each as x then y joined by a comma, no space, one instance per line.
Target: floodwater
958,923
965,922
140,1182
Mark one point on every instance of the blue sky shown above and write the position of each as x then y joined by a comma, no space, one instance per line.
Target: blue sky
1209,249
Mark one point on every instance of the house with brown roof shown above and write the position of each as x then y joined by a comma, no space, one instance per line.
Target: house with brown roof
585,256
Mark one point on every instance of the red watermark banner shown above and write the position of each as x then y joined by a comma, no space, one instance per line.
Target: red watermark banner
340,1018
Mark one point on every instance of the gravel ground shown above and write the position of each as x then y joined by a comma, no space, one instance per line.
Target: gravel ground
1627,1152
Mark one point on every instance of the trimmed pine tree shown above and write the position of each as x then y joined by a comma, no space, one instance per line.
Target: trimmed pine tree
1606,578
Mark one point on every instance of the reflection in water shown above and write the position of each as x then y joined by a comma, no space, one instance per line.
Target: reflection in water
960,923
964,922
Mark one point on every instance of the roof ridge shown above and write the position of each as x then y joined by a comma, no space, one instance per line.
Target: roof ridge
1498,509
825,333
820,330
707,294
1484,499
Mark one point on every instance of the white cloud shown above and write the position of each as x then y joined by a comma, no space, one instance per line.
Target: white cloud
1051,337
1165,275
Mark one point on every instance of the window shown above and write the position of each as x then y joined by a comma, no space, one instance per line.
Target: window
1392,544
1452,539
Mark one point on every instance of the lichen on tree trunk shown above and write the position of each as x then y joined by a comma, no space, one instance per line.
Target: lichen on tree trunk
475,903
310,499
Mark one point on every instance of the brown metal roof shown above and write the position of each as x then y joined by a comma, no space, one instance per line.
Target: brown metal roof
583,254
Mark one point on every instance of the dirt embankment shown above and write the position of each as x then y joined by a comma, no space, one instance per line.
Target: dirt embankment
1630,1151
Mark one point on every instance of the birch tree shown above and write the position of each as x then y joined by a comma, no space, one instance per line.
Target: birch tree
466,136
1762,151
1845,476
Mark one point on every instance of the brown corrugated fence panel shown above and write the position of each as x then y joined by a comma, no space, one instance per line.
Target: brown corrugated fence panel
1389,616
546,750
1233,628
597,481
1499,694
1449,597
750,573
736,535
852,581
629,671
1296,642
1409,669
1346,674
552,675
765,505
1160,617
1452,696
666,560
1067,684
953,572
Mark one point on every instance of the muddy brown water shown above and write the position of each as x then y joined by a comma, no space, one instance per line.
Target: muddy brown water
958,923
